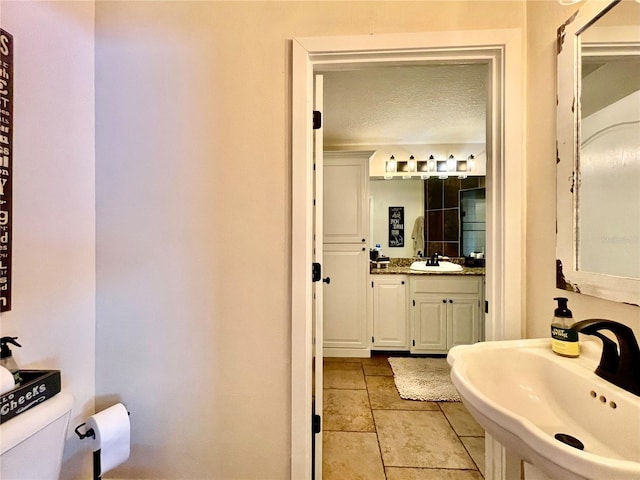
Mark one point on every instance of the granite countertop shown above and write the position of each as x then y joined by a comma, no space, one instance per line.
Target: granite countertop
400,266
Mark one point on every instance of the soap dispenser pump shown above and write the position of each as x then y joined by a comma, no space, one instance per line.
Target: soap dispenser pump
7,360
564,339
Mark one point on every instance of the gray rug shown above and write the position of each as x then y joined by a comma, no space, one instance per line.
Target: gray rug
425,379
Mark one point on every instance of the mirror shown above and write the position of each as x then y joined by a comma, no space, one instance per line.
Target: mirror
445,216
598,145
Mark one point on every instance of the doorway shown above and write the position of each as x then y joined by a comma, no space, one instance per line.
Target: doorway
501,49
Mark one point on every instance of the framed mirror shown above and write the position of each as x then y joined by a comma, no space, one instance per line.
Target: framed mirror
598,151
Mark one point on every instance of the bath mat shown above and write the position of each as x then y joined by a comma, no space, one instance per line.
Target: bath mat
425,379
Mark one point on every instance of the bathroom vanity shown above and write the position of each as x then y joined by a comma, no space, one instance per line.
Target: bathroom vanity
426,313
418,312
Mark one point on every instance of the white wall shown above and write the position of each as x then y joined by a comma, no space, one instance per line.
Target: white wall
53,310
395,193
193,206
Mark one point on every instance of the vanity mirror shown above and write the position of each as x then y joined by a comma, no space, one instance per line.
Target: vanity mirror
440,216
598,148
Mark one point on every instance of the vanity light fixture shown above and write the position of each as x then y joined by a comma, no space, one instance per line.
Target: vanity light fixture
412,164
410,167
432,164
425,168
452,164
391,165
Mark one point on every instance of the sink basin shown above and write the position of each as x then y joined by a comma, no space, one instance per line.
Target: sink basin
524,395
443,267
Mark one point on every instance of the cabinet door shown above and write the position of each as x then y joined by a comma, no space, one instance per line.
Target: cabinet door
462,320
345,298
346,197
429,325
390,312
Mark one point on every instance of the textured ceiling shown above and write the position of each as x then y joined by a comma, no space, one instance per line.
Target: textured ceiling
427,104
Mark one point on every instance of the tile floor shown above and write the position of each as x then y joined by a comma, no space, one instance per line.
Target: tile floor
370,433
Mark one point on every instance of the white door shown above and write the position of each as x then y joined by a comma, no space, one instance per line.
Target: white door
318,326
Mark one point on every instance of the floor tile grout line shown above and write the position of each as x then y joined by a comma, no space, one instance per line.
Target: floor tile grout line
459,438
375,427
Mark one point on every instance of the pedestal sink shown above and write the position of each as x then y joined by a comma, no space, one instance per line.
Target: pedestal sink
545,408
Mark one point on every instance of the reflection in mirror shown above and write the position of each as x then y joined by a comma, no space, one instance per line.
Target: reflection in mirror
473,221
608,195
440,216
598,223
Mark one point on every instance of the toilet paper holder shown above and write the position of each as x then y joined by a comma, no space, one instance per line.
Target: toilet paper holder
97,468
89,432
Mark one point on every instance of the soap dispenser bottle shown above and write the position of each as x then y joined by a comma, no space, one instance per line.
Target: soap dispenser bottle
564,340
7,360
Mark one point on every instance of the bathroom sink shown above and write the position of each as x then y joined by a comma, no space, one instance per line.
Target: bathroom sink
538,404
442,267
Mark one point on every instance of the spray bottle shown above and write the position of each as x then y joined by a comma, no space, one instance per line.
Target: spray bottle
7,360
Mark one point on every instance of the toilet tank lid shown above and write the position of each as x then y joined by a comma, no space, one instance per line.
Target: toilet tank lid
19,428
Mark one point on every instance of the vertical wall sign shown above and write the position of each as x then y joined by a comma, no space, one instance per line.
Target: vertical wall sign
6,154
396,226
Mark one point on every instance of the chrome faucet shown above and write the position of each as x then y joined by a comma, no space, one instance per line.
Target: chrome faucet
620,363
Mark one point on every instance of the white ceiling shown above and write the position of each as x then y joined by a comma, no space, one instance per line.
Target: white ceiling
393,105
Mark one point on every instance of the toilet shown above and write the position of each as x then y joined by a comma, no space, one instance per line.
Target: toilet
31,444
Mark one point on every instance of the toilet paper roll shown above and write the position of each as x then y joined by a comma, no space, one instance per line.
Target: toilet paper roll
113,436
7,382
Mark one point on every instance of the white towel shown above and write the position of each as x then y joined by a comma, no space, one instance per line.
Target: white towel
418,235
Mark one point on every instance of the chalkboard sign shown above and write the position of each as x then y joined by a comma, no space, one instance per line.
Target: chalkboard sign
6,152
396,226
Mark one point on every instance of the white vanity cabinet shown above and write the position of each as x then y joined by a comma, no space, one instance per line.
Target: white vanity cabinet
390,314
445,311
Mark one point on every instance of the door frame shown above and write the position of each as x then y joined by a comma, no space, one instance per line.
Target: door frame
503,51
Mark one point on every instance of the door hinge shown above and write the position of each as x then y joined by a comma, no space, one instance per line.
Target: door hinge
413,342
486,306
316,423
372,284
316,272
372,341
317,119
414,302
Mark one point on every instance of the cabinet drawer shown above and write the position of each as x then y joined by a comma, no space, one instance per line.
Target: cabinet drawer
445,284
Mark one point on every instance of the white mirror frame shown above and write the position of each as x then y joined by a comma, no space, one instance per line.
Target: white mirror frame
568,277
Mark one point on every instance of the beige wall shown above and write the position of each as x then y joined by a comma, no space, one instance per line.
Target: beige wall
192,199
54,201
193,206
543,18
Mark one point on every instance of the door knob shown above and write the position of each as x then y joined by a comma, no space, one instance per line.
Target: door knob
327,280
